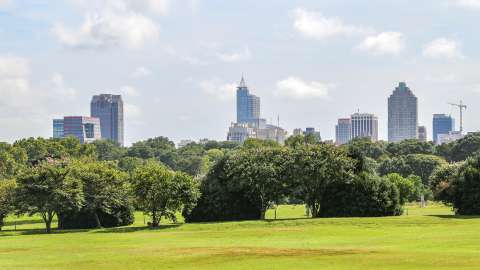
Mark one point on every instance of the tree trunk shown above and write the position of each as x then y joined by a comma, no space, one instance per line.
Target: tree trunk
97,220
155,219
262,214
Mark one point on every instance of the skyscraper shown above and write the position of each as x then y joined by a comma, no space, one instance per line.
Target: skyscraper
365,125
402,114
109,109
442,125
86,129
248,105
343,131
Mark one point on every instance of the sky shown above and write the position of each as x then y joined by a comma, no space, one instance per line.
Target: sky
177,62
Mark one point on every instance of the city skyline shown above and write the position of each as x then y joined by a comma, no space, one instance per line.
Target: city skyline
179,71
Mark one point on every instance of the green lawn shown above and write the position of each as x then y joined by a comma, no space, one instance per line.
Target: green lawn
429,238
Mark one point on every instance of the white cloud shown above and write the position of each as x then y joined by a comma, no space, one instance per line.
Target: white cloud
315,25
109,23
475,4
219,90
383,43
235,56
28,109
129,91
59,88
141,72
5,3
294,87
443,48
132,111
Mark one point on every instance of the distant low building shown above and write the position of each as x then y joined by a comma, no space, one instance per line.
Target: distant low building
422,133
184,143
442,124
85,129
450,137
240,132
272,133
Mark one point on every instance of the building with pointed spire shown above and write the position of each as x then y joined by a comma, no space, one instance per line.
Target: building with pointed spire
402,114
248,105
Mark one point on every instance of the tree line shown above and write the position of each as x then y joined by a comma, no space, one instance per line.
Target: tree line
102,184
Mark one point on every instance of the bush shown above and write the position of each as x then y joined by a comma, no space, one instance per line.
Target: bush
365,195
120,216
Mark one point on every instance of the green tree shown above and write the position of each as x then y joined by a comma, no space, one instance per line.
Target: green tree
375,150
416,164
161,193
462,190
48,190
7,196
408,147
314,168
465,147
261,173
300,140
104,187
109,150
405,186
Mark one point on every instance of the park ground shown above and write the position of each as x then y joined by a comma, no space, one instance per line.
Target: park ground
428,238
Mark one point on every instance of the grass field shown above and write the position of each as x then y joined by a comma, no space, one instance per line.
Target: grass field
430,238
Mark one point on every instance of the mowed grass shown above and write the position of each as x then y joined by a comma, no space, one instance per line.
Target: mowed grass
429,238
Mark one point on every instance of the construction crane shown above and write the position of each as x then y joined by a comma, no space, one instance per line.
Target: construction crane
462,107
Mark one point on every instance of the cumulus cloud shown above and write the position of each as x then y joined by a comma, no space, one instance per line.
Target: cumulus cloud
294,87
219,90
141,72
443,48
110,23
5,3
235,56
384,43
27,109
474,4
129,91
314,25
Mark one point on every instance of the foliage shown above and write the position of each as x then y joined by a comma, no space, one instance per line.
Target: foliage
222,199
314,168
365,196
301,140
463,189
465,147
48,190
409,147
7,196
365,146
415,164
407,188
105,191
261,172
161,192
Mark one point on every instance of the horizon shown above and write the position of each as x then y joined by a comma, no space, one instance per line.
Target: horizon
177,63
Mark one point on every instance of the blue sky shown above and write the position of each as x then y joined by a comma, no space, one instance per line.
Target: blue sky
176,63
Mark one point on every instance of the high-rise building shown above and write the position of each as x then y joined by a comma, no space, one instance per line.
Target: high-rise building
442,124
422,133
58,129
109,108
85,129
248,105
402,114
365,125
343,131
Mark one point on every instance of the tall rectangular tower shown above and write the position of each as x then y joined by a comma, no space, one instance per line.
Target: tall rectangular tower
402,114
365,125
109,109
343,131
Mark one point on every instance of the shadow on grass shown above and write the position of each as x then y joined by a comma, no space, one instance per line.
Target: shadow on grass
455,217
138,229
